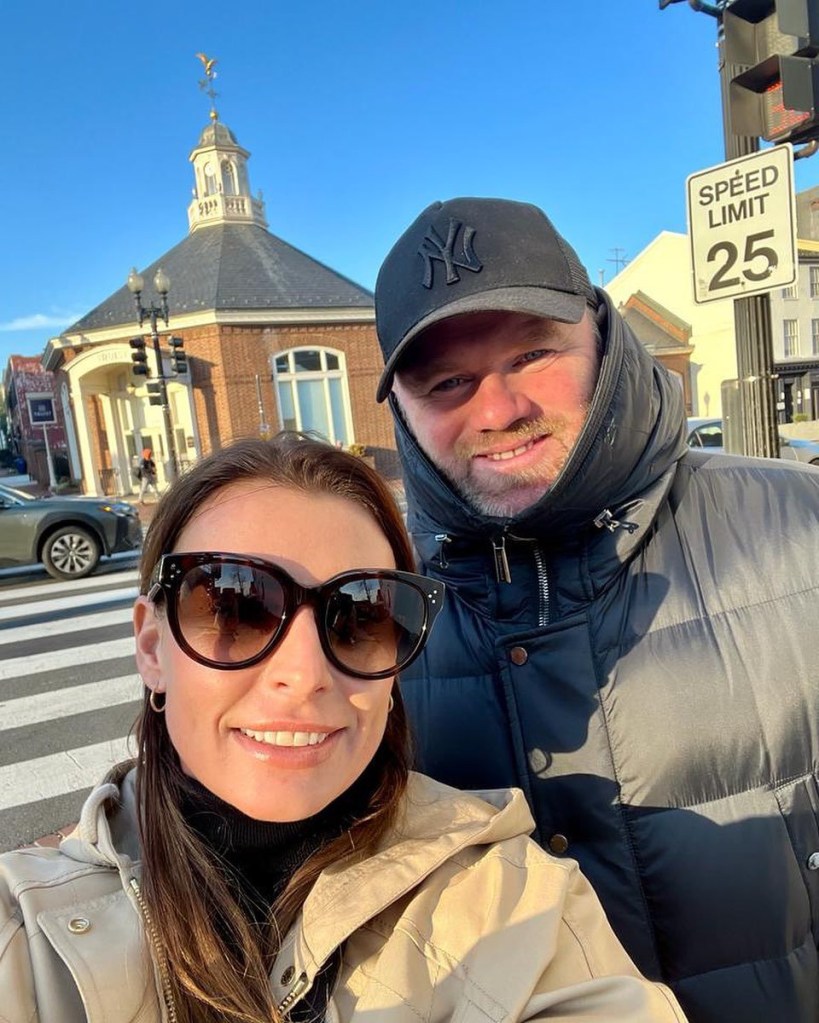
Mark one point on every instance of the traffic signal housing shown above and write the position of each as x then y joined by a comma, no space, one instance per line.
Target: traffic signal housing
139,357
179,361
154,392
777,41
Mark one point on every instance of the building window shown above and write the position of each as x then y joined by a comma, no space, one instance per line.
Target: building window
814,330
792,291
814,282
228,178
791,334
211,186
311,386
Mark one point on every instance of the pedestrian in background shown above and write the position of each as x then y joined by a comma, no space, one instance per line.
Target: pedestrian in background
146,474
631,627
268,856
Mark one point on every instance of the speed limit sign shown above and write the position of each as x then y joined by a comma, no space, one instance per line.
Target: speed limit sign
742,225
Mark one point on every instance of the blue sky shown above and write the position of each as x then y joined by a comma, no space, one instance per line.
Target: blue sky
357,115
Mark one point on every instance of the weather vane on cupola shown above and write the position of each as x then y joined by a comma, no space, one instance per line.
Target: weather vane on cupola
206,84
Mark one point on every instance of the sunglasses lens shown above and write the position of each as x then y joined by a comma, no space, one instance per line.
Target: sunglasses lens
228,613
374,625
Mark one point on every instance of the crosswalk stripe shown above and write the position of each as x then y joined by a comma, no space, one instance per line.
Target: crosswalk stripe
33,592
62,703
13,666
120,616
59,773
60,604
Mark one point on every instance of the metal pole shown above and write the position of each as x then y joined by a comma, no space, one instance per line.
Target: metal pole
166,408
52,479
264,429
752,315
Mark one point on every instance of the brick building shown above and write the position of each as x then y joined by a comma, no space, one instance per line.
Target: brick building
35,420
273,339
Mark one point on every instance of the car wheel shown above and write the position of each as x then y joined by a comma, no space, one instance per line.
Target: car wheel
71,553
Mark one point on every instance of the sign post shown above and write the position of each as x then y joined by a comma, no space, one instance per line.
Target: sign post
742,225
41,413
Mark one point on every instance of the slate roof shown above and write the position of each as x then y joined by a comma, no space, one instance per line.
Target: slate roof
233,267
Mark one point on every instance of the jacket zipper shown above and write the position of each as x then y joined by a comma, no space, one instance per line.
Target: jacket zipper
502,573
296,992
159,953
543,589
298,988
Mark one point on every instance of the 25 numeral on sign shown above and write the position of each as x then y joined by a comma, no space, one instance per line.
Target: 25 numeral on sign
753,251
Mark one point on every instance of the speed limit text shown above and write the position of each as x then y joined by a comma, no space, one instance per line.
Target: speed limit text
739,197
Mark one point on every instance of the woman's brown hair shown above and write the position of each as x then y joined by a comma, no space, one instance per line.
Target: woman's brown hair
218,973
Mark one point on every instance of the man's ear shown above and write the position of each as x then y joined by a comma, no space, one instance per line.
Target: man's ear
148,632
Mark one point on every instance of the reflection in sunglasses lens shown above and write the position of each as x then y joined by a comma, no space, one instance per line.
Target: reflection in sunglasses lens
229,612
374,624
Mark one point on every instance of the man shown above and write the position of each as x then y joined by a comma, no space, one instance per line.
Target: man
632,629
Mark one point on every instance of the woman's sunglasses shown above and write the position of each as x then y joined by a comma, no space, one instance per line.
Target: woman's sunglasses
228,611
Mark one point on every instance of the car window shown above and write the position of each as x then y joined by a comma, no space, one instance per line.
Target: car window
706,437
13,496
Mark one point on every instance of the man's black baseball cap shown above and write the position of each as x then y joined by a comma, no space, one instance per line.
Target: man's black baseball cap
474,255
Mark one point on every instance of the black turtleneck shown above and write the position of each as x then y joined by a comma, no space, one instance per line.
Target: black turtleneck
260,857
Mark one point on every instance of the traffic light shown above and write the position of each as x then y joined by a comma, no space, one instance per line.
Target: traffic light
154,392
179,361
139,357
775,98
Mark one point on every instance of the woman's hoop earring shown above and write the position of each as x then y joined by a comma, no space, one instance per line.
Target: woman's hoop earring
390,705
157,708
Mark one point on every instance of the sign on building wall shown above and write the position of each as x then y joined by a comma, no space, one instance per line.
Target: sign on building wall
742,225
41,409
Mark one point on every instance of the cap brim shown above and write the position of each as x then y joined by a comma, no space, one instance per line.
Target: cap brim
550,305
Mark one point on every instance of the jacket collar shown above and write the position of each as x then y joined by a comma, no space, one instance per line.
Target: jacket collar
633,436
436,825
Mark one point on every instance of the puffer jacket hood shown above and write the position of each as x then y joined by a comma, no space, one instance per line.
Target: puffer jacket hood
634,433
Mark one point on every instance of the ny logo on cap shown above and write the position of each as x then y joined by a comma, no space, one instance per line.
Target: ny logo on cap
433,247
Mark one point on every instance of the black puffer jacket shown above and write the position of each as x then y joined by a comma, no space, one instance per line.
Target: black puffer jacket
650,678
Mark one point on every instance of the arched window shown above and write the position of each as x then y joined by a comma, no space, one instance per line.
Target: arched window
211,186
228,178
311,387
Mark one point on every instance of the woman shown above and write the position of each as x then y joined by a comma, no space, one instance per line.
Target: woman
146,474
268,856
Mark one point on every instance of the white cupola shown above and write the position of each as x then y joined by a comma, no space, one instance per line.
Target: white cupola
222,188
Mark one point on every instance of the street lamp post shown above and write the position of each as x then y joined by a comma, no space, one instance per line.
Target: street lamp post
136,283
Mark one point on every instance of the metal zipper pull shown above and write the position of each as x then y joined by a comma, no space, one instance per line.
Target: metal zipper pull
296,991
502,573
441,539
605,520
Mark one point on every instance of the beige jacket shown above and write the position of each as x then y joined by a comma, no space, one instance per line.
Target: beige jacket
460,918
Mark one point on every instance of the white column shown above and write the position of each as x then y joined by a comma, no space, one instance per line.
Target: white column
89,480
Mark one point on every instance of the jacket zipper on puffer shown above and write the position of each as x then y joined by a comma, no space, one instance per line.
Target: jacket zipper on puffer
159,952
502,572
543,589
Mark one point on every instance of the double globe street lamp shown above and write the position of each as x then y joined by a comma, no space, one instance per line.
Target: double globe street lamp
162,285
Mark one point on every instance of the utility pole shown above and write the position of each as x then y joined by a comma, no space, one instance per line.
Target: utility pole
752,315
